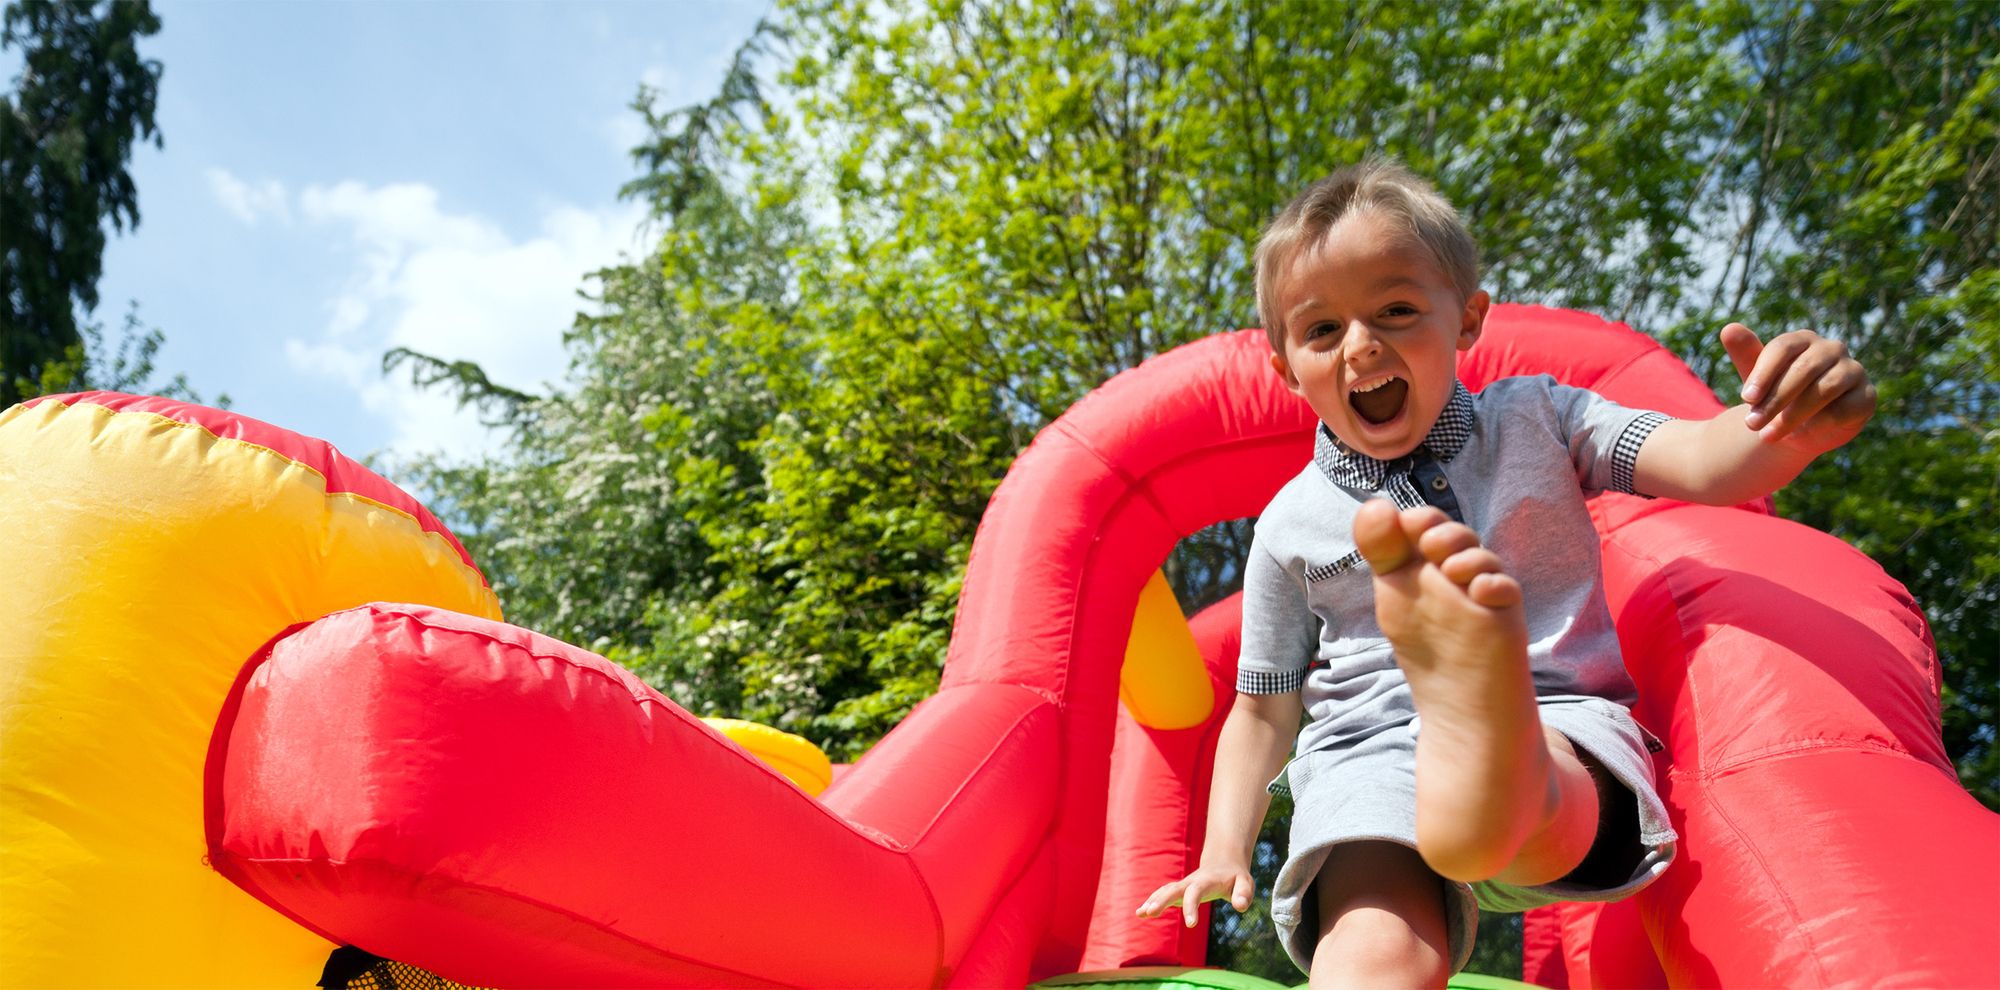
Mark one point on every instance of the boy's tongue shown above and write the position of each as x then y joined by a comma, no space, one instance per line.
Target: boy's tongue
1382,404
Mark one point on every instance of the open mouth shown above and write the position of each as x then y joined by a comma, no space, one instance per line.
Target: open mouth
1378,402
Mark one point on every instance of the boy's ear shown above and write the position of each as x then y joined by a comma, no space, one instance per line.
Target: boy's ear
1284,370
1473,320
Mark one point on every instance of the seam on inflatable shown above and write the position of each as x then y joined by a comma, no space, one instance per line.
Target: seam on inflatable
1714,800
1786,751
386,608
1043,841
663,703
1141,486
1044,845
1074,591
457,549
1770,883
1711,770
876,836
986,758
937,915
1685,645
386,867
464,557
1135,486
215,764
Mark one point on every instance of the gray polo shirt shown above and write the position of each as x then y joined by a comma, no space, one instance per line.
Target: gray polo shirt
1515,462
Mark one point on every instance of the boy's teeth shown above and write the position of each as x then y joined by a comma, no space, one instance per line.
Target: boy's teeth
1380,402
1372,386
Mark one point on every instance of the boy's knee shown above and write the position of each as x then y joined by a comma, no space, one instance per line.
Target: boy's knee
1382,918
1378,947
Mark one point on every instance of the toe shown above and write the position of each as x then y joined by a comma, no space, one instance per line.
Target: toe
1464,566
1420,521
1494,589
1379,535
1441,541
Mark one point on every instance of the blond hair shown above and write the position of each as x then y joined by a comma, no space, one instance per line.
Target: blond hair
1379,185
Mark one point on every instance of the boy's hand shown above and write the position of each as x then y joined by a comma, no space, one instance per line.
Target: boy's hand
1801,387
1208,883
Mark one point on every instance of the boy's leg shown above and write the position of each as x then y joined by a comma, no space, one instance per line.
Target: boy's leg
1381,919
1497,795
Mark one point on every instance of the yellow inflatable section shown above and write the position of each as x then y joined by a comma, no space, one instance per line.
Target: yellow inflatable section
795,756
151,547
1164,683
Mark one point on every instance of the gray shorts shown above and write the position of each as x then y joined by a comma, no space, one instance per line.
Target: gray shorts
1368,791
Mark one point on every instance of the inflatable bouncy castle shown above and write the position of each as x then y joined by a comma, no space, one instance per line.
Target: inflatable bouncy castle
256,703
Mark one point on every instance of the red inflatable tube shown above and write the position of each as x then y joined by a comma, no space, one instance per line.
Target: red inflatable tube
1825,837
509,810
506,809
1156,824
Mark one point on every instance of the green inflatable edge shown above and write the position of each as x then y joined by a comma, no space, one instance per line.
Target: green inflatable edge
1186,978
1162,978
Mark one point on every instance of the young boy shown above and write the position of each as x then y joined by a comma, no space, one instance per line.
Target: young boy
1428,591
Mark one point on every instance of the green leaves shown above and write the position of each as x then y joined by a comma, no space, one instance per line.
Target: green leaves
66,132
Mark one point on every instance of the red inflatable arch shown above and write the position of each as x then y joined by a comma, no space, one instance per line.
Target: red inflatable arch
506,809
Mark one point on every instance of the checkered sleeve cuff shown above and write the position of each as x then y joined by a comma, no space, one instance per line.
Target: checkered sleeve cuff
1625,455
1269,682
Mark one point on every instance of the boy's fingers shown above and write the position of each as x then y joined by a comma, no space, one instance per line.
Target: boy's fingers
1197,895
1240,899
1772,374
1831,399
1743,347
1796,394
1158,902
1857,403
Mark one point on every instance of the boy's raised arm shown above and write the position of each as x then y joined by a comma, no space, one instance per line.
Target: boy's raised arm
1803,395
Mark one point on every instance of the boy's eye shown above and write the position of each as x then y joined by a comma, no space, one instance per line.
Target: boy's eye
1321,330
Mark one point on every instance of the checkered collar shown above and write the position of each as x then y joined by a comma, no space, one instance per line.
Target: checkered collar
1356,470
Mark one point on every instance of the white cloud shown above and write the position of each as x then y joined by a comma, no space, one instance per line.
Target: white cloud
455,286
246,201
395,217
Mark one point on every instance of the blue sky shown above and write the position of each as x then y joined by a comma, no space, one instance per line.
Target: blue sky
340,178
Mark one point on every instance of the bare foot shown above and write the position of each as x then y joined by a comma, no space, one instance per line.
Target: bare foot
1485,783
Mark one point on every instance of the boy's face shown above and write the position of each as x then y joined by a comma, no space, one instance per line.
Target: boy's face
1372,335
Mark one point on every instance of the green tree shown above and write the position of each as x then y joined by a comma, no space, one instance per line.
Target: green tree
66,133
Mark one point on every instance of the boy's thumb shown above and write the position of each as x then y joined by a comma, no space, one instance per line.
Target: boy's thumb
1743,347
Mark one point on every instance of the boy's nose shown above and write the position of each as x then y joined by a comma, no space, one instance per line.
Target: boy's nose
1361,340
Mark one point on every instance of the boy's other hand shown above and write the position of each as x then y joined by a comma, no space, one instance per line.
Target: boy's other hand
1209,883
1801,387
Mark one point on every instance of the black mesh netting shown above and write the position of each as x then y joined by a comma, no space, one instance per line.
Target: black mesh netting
349,968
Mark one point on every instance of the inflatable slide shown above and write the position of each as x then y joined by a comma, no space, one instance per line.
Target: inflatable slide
256,703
